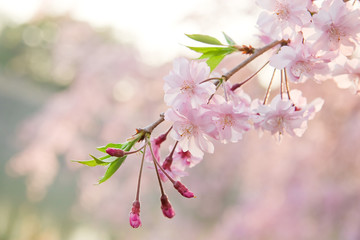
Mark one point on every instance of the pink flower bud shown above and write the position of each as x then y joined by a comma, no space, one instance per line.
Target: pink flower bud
167,163
166,207
183,190
134,218
115,152
160,139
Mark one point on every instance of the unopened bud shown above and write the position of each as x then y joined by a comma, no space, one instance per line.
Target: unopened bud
166,207
134,218
183,190
115,152
160,139
167,163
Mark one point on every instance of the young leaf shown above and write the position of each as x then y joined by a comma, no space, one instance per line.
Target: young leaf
223,51
204,39
113,167
90,163
229,40
102,161
110,145
205,49
214,61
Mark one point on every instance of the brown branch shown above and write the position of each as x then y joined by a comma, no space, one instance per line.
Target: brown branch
257,53
151,127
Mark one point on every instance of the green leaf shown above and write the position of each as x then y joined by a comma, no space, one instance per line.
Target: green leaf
113,167
229,40
205,49
214,61
110,145
223,51
90,163
102,161
204,39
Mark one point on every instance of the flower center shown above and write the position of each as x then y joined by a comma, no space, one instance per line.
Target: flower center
187,131
187,88
282,11
335,33
300,67
227,121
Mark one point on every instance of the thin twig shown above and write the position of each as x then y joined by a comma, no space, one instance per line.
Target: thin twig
287,84
269,88
140,173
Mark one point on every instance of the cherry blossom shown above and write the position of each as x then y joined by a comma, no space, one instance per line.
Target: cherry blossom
283,18
190,128
301,63
348,75
337,27
184,84
230,120
285,115
237,94
185,158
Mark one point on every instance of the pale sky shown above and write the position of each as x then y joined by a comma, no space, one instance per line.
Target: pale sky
156,27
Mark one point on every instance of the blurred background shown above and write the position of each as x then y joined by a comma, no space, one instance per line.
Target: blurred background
75,75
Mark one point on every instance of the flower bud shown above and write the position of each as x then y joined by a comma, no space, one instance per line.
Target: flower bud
134,218
160,139
167,163
183,190
166,207
115,152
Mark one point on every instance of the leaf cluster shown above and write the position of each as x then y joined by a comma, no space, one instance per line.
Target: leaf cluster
214,54
111,163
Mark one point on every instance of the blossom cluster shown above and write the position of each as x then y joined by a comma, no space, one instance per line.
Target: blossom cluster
322,38
308,40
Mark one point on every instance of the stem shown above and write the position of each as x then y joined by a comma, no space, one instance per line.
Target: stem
135,151
269,88
140,173
257,53
287,84
158,177
281,83
225,93
156,162
249,78
173,150
209,79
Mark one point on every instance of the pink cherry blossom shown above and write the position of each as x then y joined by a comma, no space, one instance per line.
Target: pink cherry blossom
175,170
237,95
337,27
185,158
230,120
190,128
301,63
284,115
283,18
348,75
184,84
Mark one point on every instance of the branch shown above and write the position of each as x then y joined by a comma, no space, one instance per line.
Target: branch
151,127
257,53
